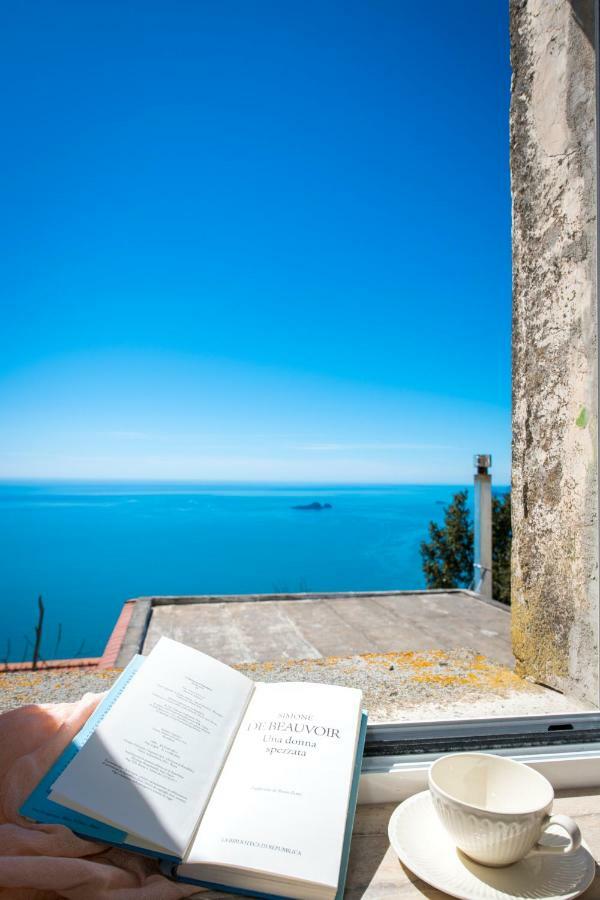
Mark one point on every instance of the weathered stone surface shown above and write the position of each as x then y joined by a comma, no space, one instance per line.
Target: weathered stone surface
398,686
553,164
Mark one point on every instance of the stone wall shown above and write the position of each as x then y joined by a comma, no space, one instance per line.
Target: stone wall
555,501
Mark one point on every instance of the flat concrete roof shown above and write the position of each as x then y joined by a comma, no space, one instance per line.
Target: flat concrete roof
274,628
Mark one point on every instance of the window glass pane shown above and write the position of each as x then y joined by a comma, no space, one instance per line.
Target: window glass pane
256,346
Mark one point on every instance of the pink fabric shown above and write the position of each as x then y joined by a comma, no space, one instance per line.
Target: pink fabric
42,862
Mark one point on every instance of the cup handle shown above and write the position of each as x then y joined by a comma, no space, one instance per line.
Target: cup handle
573,833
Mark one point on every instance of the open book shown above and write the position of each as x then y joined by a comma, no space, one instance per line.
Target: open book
249,787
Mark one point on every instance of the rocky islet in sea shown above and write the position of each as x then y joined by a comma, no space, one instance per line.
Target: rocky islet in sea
314,506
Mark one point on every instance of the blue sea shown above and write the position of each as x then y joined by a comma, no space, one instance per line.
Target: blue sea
86,548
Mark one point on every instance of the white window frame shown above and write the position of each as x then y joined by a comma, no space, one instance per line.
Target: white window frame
564,748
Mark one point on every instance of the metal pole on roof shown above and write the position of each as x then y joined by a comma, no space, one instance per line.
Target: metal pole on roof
482,556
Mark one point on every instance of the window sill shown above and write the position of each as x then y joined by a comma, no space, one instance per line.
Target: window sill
425,686
386,781
406,686
374,869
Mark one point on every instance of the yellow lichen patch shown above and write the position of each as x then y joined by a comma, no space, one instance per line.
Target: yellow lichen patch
253,667
410,660
504,678
480,661
13,681
447,680
405,658
485,676
540,628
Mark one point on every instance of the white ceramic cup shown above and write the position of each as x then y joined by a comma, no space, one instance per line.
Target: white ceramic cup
496,809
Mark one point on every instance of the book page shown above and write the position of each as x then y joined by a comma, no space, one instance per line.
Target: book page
151,764
281,802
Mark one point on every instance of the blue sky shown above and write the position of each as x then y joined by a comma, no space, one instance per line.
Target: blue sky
263,241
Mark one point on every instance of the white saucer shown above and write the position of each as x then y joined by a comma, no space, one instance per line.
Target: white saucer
423,845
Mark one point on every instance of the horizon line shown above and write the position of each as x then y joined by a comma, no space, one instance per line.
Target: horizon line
224,481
